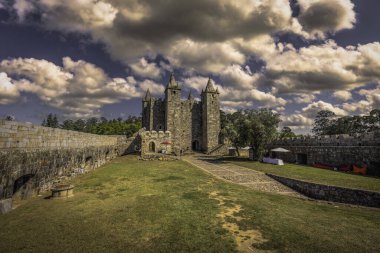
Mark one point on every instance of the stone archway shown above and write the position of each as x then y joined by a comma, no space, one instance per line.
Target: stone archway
152,147
22,187
195,145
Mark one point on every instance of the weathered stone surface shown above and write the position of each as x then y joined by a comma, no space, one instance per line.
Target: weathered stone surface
5,205
334,149
33,158
332,193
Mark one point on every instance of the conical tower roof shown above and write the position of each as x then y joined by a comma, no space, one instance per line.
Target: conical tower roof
172,82
148,96
210,86
190,97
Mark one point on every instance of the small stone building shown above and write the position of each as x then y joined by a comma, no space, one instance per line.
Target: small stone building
193,125
155,142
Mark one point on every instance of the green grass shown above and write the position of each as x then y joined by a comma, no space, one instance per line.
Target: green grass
134,206
311,174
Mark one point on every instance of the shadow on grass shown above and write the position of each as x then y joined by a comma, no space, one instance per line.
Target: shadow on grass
169,178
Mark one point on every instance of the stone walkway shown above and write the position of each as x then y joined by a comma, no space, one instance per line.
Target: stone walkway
240,175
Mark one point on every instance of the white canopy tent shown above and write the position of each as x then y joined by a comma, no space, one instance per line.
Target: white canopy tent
280,150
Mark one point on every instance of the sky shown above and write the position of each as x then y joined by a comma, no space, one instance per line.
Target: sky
85,58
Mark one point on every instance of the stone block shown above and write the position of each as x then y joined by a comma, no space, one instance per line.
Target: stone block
5,205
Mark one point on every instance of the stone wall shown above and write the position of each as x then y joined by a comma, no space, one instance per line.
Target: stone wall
32,158
152,142
332,193
335,150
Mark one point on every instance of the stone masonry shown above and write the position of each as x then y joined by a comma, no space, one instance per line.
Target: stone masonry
33,158
194,125
333,149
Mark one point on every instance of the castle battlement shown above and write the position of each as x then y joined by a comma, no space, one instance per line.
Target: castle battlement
365,139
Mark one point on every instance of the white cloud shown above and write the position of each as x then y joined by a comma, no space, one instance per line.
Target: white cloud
78,88
8,91
304,98
323,67
203,57
236,76
145,69
342,95
296,120
311,110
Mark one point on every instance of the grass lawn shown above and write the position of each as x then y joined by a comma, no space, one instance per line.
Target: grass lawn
152,206
311,174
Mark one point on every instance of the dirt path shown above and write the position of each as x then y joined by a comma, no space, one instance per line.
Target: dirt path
244,238
240,175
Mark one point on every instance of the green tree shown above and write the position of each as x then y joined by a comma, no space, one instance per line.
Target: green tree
324,123
231,131
261,128
286,132
51,121
256,128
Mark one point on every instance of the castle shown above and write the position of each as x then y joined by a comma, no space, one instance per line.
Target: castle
193,125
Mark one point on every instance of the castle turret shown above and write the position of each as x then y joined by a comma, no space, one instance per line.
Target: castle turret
190,97
173,108
147,111
210,117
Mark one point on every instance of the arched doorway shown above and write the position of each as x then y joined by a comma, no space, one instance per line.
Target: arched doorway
152,147
195,145
22,188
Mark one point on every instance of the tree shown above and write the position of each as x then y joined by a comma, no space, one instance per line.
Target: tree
256,128
261,130
323,123
97,125
286,132
327,123
10,118
51,121
231,131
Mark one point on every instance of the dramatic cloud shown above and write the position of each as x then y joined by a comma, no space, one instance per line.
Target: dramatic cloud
236,76
78,88
296,120
203,57
312,109
342,95
320,16
323,67
8,91
145,69
238,43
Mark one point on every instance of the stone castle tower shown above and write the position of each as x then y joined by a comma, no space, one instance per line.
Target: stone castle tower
194,125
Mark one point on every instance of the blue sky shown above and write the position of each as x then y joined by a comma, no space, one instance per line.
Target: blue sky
96,58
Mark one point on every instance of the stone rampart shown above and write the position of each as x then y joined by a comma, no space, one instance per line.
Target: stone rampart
335,150
332,193
33,158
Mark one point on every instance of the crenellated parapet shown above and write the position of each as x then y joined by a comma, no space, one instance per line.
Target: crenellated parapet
365,139
335,150
156,142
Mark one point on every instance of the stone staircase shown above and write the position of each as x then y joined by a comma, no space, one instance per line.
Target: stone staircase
220,149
